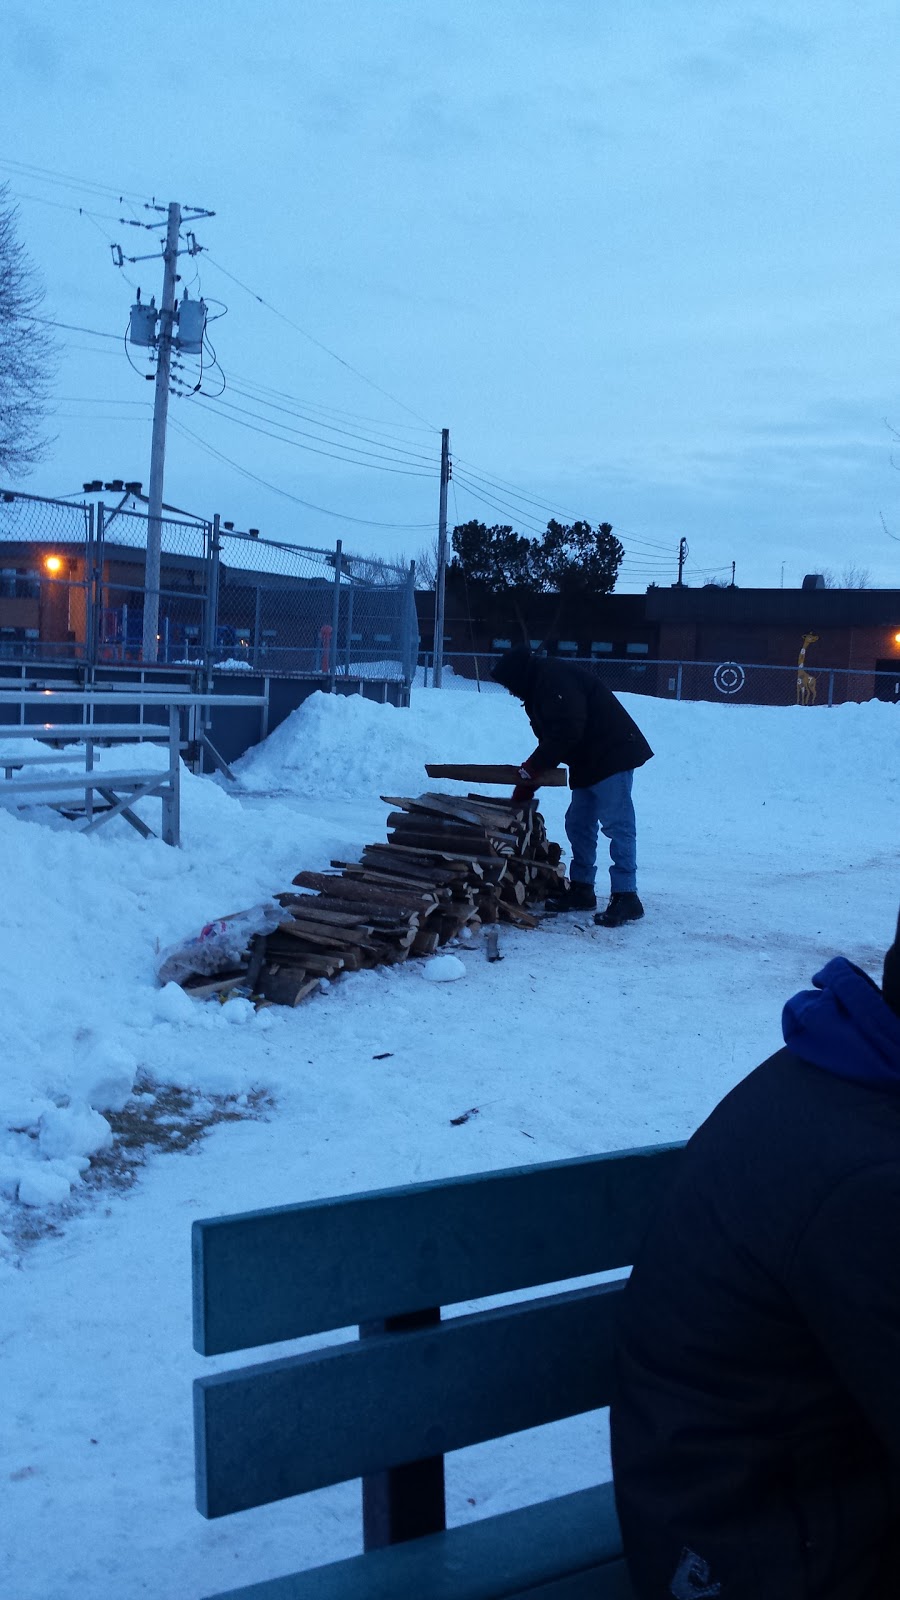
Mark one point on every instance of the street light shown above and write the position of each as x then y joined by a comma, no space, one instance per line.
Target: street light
53,564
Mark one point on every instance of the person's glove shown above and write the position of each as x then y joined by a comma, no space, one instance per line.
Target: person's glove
524,790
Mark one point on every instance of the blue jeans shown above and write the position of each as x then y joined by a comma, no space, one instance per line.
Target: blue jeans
608,806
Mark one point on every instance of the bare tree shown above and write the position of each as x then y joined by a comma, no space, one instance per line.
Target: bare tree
427,565
26,351
849,577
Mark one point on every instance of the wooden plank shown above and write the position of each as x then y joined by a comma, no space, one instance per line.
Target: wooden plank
309,908
313,962
285,987
361,893
280,1428
471,772
518,916
321,936
434,805
287,1271
566,1548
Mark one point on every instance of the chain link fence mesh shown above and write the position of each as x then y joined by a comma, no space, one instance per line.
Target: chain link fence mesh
291,608
45,579
743,683
183,587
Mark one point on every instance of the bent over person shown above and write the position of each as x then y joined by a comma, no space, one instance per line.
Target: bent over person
578,722
756,1429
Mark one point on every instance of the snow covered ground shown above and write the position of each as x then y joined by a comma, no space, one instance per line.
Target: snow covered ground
767,843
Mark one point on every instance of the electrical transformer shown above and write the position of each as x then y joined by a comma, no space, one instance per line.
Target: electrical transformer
142,327
191,325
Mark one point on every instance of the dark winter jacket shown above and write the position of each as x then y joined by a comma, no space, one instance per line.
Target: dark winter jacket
577,721
756,1431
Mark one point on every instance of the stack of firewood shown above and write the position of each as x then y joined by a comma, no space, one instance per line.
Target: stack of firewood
448,863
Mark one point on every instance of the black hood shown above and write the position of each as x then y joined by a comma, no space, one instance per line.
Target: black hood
514,671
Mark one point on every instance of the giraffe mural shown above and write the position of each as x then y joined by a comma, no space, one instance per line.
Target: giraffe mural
806,681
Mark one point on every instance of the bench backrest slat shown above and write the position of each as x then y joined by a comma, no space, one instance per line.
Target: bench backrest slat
285,1427
282,1273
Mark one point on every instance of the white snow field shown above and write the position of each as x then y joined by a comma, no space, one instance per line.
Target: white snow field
767,843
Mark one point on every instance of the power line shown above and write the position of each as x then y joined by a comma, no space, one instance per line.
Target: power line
366,522
331,427
381,454
313,340
217,408
67,180
73,327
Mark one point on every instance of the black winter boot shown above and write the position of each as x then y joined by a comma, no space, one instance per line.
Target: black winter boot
574,897
622,908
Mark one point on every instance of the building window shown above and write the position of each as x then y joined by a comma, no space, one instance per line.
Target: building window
637,649
382,638
601,647
501,644
535,644
568,647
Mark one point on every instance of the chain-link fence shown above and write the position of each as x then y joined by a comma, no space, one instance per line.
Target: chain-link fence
73,588
184,583
46,578
291,608
744,683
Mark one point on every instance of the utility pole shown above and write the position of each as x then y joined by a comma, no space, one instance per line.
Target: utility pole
158,443
440,585
733,567
142,331
682,556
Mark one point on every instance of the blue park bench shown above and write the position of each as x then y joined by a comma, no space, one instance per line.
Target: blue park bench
386,1407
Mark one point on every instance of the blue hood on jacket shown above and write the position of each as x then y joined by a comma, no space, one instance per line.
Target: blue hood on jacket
845,1026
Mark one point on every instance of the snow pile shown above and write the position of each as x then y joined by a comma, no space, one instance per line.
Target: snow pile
345,745
736,799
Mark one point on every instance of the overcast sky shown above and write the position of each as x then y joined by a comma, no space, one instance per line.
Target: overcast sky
641,258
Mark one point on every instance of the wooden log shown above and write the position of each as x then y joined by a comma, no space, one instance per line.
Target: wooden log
285,987
400,880
309,909
471,772
288,954
201,987
465,865
381,918
345,889
512,893
328,938
518,916
425,943
479,844
439,805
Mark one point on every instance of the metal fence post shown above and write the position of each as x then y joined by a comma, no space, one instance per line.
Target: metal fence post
212,598
678,683
349,630
335,616
90,597
831,687
410,628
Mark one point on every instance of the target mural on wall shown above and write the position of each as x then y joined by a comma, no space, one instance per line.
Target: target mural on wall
729,677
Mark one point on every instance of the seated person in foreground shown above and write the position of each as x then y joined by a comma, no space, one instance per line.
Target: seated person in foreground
756,1427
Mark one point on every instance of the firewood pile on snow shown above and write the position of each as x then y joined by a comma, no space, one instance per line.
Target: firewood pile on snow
449,863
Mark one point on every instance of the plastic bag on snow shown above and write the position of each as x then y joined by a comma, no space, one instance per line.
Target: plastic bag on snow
219,946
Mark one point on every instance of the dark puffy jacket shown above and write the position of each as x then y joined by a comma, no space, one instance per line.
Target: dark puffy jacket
756,1429
577,721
